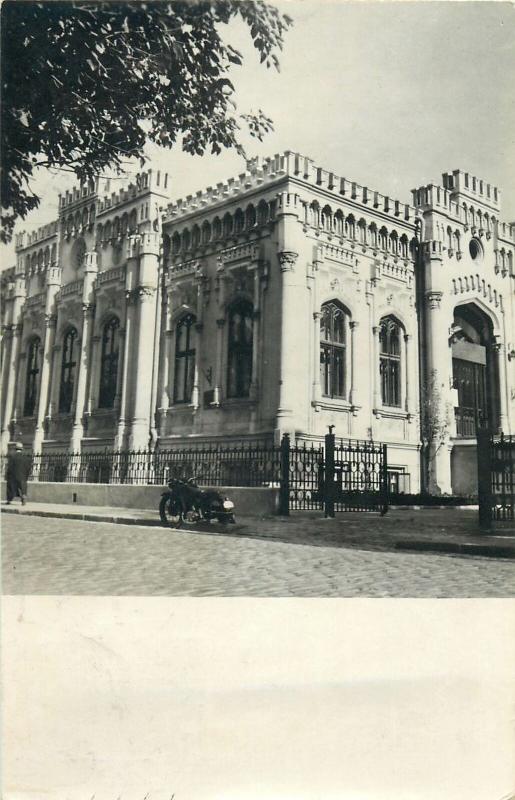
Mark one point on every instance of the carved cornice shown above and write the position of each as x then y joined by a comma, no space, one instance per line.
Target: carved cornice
88,309
434,299
145,293
287,260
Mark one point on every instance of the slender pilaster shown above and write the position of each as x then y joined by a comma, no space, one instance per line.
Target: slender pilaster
500,354
376,332
409,375
353,390
256,345
316,356
217,399
94,376
119,370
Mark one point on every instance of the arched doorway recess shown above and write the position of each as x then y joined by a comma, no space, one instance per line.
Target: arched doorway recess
474,371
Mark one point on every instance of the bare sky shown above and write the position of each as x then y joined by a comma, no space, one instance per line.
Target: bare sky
245,699
388,94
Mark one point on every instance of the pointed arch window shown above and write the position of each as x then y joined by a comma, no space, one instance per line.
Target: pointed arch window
184,359
332,350
68,370
33,369
240,343
109,363
390,336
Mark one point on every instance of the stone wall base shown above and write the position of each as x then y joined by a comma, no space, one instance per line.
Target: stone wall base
247,500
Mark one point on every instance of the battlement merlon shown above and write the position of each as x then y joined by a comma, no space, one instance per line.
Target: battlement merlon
463,184
87,192
99,191
24,240
458,189
261,172
478,209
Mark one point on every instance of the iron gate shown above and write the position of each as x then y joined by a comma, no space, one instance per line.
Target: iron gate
496,478
339,475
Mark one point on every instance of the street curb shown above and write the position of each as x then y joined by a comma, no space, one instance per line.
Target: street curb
457,548
85,517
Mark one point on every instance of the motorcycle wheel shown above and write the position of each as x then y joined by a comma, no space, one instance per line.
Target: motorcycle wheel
190,518
170,511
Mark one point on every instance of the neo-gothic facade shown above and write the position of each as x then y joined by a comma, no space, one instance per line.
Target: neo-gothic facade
285,300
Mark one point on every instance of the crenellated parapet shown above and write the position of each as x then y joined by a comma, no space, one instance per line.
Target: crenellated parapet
261,173
466,201
462,184
145,183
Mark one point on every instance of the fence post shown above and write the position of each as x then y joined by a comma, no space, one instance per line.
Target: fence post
384,480
284,490
484,478
329,473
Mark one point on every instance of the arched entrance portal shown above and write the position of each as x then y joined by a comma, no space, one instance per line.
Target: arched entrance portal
474,371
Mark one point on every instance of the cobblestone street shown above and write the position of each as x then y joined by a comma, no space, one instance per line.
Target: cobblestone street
58,556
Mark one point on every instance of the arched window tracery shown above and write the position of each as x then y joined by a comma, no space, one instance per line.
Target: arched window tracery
333,342
109,363
185,355
390,338
250,216
68,370
239,221
34,354
240,345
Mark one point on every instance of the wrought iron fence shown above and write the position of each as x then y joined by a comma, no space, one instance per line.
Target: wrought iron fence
253,464
337,475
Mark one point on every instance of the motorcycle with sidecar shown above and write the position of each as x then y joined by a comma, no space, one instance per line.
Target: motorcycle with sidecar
185,504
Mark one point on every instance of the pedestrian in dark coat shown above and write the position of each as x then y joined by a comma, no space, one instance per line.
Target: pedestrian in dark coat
18,468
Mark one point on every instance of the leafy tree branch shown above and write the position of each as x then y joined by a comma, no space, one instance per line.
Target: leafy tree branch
86,84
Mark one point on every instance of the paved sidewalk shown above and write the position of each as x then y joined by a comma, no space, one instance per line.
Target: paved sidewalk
449,530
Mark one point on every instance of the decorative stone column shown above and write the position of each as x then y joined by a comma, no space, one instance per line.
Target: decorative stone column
12,376
88,313
125,393
289,322
437,407
353,392
146,292
45,389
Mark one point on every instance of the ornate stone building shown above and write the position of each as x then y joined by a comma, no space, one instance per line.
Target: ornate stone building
288,299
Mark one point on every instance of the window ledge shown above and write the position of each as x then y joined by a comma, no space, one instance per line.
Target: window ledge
393,413
233,402
334,404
